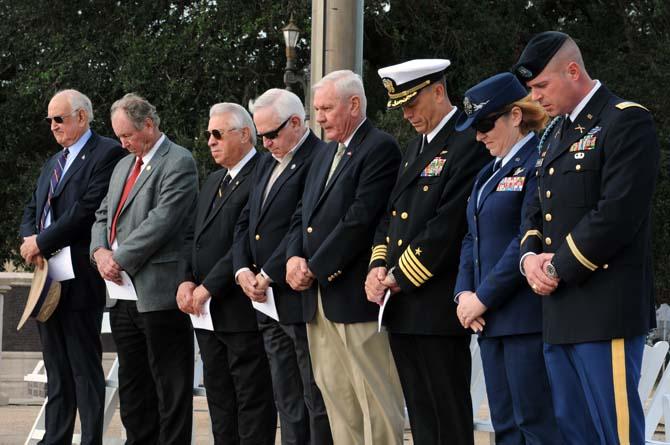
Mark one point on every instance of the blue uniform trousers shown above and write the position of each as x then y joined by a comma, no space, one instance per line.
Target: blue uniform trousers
518,390
594,388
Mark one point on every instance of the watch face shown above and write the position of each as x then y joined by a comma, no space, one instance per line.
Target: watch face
551,270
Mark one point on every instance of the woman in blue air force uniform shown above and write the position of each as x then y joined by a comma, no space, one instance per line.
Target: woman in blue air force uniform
493,297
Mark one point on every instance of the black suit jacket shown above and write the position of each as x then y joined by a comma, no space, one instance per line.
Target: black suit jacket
422,230
334,226
593,211
73,207
208,254
262,229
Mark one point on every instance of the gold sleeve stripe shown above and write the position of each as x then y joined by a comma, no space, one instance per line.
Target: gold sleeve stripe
620,390
378,257
379,249
414,260
627,104
536,233
581,258
412,267
409,273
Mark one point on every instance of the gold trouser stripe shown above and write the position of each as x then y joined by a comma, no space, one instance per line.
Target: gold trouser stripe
409,273
581,258
414,267
536,233
417,263
620,390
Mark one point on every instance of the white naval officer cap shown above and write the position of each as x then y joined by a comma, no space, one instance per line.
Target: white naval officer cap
404,80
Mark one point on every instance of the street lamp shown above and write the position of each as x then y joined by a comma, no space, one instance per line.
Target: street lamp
291,75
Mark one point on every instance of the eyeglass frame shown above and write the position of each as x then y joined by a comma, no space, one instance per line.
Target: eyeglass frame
60,119
274,134
490,120
218,133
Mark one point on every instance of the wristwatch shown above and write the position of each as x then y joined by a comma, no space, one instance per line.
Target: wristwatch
550,270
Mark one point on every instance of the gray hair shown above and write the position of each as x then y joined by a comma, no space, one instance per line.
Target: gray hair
240,117
78,101
283,104
137,108
347,84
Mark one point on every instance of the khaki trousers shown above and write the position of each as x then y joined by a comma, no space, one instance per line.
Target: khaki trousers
354,369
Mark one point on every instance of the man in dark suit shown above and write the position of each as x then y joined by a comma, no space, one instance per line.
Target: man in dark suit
345,195
260,262
137,236
237,374
416,253
59,214
587,243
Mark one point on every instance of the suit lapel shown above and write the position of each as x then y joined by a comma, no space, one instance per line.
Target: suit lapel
433,149
77,163
585,121
149,169
206,198
289,171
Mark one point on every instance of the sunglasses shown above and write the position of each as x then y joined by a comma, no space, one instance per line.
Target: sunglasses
59,119
274,133
218,134
485,125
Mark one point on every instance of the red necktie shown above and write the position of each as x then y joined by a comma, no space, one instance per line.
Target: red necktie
130,182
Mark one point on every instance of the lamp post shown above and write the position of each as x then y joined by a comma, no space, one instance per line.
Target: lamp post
291,75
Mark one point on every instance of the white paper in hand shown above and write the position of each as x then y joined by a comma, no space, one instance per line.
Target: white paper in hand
268,307
60,265
124,291
380,317
204,320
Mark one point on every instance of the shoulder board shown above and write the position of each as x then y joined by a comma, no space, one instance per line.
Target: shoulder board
624,105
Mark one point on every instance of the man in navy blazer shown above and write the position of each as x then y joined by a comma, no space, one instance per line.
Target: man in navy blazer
260,262
59,214
328,249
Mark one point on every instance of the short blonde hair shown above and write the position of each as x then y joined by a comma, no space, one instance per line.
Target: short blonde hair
533,116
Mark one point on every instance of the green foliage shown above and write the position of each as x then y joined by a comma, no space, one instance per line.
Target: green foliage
185,56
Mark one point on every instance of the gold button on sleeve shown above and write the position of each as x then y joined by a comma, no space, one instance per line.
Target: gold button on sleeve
400,242
310,230
551,171
394,213
404,215
547,217
548,194
258,237
425,188
578,167
547,241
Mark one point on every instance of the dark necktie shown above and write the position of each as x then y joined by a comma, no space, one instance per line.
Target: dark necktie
130,182
53,184
222,188
565,127
424,143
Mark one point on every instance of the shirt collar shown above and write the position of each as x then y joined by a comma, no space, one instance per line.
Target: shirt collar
578,109
74,149
288,156
351,136
515,148
147,157
240,165
430,136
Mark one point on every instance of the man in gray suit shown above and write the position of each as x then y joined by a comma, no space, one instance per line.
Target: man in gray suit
139,231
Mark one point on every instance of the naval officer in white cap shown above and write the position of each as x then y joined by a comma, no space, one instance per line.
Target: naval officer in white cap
416,253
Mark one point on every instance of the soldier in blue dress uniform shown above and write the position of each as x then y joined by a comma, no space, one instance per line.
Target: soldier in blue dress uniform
587,243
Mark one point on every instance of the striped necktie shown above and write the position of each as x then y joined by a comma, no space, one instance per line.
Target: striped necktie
336,160
53,184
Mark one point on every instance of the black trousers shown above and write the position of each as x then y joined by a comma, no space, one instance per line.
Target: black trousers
435,372
239,387
155,351
72,356
302,413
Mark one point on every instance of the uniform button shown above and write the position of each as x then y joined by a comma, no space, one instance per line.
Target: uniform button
425,188
476,261
547,241
476,238
310,230
548,194
330,278
547,217
388,240
258,237
394,213
404,215
578,167
551,171
605,266
400,242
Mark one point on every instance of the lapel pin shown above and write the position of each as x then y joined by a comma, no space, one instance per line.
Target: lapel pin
148,167
83,157
237,183
348,153
292,166
518,171
580,129
517,159
589,116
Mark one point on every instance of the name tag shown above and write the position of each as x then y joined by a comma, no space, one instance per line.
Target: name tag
434,168
511,184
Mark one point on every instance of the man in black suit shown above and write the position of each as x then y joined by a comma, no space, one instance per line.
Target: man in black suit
260,262
417,250
328,251
59,214
237,374
587,247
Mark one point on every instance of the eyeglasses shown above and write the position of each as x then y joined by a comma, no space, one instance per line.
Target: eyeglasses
218,134
274,133
485,125
59,119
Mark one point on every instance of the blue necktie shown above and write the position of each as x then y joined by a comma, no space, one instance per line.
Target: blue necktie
55,179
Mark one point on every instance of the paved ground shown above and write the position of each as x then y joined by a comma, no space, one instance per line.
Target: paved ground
17,420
